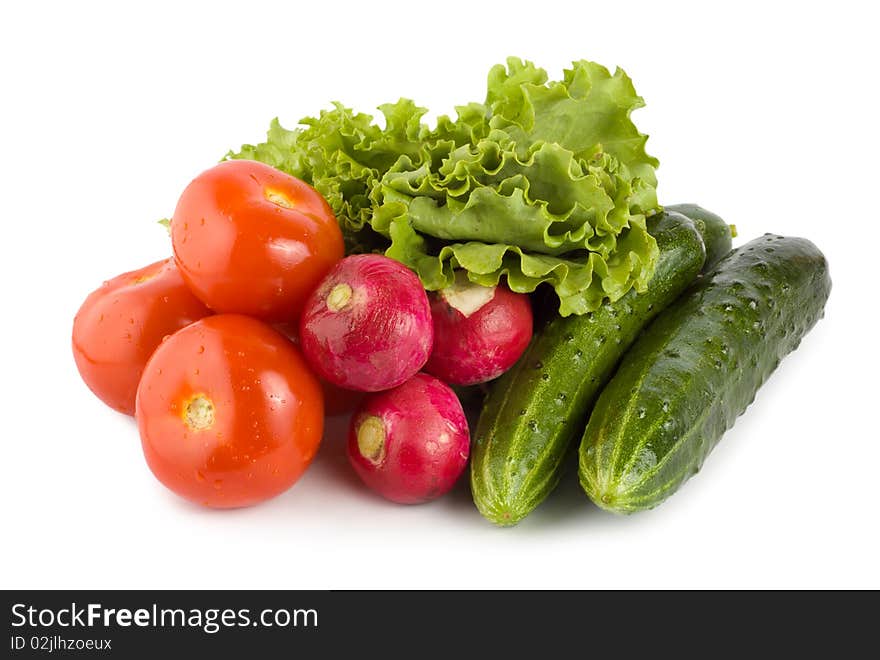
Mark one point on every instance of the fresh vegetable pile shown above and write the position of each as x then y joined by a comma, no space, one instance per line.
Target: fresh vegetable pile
542,182
511,266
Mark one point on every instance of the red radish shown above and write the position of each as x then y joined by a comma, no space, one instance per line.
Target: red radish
410,444
337,400
368,324
479,331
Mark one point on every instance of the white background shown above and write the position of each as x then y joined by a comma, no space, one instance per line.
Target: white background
765,113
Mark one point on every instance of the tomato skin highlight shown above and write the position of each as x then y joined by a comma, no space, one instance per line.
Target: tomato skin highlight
121,323
250,239
264,417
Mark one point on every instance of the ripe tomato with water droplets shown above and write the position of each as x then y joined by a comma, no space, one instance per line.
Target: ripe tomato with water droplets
250,239
121,323
229,413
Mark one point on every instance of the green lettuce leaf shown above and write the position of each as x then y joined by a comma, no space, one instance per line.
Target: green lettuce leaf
587,111
544,182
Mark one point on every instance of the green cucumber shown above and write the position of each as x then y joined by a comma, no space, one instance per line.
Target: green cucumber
534,411
717,234
698,367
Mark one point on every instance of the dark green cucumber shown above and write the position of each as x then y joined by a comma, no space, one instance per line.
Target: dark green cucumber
717,234
696,368
534,411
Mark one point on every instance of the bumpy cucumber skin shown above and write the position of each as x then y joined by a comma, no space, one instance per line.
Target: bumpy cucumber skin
534,411
717,234
698,367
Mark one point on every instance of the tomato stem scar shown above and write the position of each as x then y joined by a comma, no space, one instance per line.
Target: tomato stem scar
198,413
146,277
279,198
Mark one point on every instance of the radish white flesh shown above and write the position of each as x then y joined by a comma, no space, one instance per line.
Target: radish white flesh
479,332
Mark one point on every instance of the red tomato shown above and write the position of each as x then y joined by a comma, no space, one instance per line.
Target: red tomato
229,413
120,325
253,240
